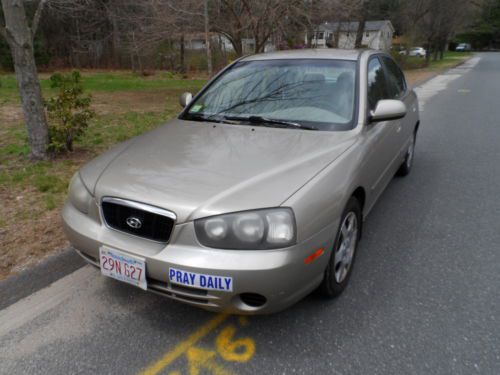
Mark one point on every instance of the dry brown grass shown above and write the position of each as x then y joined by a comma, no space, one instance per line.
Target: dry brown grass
30,224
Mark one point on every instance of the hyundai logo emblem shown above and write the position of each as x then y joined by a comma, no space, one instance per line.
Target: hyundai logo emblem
134,222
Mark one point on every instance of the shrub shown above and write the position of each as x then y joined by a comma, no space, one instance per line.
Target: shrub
69,111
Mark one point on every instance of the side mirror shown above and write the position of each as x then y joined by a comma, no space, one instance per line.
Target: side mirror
387,110
185,99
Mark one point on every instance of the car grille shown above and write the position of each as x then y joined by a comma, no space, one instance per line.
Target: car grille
192,295
138,219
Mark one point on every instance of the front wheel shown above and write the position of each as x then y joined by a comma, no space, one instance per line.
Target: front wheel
341,262
405,168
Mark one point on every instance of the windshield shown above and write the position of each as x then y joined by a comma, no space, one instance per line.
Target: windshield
318,93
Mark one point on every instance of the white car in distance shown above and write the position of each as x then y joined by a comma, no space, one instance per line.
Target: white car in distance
415,51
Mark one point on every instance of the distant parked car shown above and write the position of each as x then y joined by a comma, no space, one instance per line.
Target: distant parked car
415,51
463,47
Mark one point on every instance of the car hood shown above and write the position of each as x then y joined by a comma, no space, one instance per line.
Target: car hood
200,169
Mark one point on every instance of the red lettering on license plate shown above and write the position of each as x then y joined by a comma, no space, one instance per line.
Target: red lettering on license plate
120,268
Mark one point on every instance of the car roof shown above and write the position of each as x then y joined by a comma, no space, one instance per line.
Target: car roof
323,53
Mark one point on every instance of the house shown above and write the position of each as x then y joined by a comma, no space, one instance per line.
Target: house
377,35
196,41
248,46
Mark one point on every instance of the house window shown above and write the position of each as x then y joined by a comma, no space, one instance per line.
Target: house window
367,34
321,35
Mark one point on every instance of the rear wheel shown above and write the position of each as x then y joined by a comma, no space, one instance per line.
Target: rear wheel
341,262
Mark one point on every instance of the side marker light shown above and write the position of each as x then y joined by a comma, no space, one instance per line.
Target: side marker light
314,255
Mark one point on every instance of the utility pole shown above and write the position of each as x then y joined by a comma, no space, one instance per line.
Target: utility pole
207,41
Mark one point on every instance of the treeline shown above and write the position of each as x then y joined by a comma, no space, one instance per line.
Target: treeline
484,31
153,34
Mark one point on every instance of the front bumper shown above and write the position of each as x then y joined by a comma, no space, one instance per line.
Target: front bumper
280,276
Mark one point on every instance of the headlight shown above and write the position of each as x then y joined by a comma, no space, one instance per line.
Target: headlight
251,230
78,194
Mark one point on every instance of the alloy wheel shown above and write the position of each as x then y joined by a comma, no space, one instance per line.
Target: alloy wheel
345,252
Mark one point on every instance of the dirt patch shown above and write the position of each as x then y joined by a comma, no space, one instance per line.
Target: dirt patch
419,75
29,231
133,101
10,113
31,235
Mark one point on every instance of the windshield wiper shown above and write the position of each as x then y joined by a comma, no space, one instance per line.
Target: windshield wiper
200,117
262,121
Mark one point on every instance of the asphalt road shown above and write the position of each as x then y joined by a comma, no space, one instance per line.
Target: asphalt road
424,297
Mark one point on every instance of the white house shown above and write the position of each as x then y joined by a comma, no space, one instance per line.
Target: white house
196,41
377,35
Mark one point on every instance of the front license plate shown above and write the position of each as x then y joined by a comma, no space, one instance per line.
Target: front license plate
124,267
199,280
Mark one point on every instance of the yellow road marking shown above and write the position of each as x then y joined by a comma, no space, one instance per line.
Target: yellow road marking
183,346
239,350
204,359
243,320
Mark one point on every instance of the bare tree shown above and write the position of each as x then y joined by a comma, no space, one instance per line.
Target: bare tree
256,19
436,22
362,15
19,36
207,38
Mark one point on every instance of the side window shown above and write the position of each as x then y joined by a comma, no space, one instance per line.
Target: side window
395,79
376,83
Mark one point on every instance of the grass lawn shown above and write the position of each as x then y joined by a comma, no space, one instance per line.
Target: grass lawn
126,105
33,193
420,73
450,59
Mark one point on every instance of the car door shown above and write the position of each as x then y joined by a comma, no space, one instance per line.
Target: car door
382,139
397,89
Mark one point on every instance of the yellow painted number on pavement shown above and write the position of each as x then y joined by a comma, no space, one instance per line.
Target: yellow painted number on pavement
239,350
199,360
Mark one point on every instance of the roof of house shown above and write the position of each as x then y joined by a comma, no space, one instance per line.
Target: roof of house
353,26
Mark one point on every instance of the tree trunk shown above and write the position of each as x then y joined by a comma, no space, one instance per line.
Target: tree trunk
435,54
237,44
336,36
360,32
442,48
257,46
182,55
207,40
76,53
116,42
428,54
20,40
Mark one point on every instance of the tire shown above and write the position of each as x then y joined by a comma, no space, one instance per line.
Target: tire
338,272
405,168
